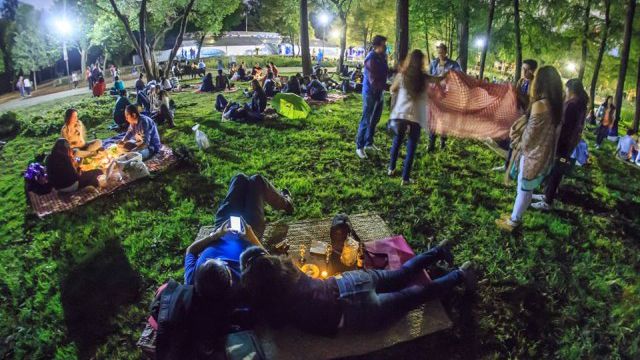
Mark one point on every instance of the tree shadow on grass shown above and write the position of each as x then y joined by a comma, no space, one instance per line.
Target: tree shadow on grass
93,292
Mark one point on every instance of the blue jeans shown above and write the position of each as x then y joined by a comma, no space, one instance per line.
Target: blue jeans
372,102
147,153
412,143
373,298
246,197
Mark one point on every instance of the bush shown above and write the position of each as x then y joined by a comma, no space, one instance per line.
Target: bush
9,124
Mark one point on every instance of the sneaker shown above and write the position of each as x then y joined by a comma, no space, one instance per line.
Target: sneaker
361,154
506,224
407,182
372,147
541,205
499,168
538,197
470,277
391,172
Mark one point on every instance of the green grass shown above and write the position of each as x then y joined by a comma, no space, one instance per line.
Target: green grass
78,284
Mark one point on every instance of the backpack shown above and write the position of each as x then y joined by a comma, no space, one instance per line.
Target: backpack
166,332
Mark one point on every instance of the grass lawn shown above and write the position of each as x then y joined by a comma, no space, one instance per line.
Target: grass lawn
77,284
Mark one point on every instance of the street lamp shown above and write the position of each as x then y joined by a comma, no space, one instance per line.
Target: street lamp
65,29
571,67
324,20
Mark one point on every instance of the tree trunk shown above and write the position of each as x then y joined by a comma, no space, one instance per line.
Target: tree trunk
636,117
343,42
463,43
451,30
624,59
492,7
178,43
35,80
601,50
83,60
200,45
402,30
304,38
105,55
516,24
585,33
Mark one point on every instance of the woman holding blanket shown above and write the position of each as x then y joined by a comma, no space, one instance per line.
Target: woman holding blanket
538,141
409,110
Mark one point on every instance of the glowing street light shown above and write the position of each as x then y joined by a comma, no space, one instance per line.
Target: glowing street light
480,43
571,66
65,29
63,26
335,33
324,20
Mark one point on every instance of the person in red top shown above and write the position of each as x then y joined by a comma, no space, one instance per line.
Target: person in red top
99,87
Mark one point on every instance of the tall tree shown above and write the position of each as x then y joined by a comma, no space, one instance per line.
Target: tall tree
209,18
370,17
492,7
516,30
402,30
343,7
463,42
304,38
8,11
604,33
624,58
153,24
585,38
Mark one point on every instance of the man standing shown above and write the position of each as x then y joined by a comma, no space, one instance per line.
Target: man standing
375,80
438,67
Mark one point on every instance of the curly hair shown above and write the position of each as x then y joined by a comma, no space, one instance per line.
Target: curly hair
413,74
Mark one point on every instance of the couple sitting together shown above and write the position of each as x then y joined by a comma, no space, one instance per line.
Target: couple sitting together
63,164
231,270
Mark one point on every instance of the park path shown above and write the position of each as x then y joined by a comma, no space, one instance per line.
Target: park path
17,104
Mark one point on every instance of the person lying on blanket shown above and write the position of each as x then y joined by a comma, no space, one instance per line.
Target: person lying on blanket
356,300
142,135
63,169
316,90
75,133
250,113
215,259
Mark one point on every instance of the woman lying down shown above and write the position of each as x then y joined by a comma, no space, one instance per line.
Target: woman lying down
358,300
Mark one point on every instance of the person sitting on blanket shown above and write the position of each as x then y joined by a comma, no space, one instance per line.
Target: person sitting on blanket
256,71
63,169
154,98
222,82
75,133
140,85
628,147
355,300
218,254
142,135
165,112
242,73
142,100
207,84
274,69
316,90
293,85
327,80
250,113
117,86
118,110
354,82
269,85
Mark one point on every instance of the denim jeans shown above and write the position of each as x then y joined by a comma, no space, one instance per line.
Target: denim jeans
246,197
372,103
373,298
147,153
412,143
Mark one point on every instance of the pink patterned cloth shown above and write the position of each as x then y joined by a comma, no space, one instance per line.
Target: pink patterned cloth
465,107
389,254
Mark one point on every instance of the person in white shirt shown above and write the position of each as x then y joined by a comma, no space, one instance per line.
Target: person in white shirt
27,86
627,147
409,110
74,80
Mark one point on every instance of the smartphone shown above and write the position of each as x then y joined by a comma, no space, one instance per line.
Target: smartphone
235,224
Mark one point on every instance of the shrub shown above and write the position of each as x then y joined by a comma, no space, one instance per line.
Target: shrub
9,124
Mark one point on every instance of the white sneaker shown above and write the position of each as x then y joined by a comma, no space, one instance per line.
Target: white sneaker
538,197
361,154
499,168
542,205
391,172
372,147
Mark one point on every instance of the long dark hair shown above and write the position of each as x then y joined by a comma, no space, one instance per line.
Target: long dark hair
269,281
255,85
59,153
547,84
576,87
413,74
68,114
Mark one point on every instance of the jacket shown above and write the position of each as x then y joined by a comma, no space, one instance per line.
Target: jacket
407,108
538,146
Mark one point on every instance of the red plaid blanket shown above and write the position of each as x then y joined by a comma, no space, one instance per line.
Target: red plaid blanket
54,201
331,98
463,106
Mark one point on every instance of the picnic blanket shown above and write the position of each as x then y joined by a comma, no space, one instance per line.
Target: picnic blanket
291,343
463,106
331,98
55,201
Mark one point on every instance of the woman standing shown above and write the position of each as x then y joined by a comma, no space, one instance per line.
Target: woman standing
409,110
574,109
607,121
538,142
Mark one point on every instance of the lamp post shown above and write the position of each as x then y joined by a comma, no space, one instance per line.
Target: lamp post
64,28
324,20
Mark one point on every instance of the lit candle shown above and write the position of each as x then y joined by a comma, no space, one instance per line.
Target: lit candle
324,274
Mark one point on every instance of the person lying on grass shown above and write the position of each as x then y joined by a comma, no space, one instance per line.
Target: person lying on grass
142,135
64,172
75,133
356,300
250,113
